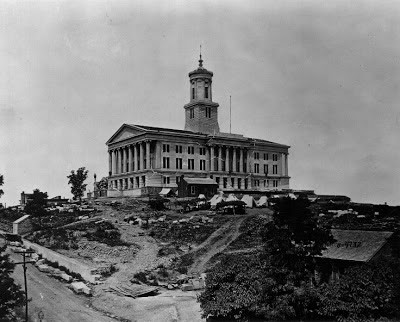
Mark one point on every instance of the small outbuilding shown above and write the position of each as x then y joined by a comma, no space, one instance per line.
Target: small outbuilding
191,187
22,225
354,247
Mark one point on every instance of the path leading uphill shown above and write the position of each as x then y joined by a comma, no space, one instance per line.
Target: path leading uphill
216,243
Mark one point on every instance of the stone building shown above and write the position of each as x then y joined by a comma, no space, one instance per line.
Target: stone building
145,159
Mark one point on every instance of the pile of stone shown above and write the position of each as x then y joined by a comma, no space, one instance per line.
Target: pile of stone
100,252
80,288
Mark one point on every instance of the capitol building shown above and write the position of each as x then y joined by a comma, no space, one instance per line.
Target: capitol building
146,160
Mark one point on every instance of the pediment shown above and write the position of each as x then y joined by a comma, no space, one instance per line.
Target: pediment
124,132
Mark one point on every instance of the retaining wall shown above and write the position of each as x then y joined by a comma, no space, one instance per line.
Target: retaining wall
72,264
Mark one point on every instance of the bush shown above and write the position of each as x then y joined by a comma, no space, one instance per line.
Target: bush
370,291
141,276
158,204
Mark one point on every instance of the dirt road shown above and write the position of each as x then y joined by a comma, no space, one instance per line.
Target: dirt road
53,298
215,244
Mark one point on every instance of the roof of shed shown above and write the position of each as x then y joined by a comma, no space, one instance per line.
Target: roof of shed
356,245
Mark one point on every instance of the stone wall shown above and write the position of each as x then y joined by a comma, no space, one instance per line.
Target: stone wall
72,264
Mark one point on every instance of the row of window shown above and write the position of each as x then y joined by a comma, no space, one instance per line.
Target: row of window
208,112
275,183
202,151
266,183
266,156
266,168
206,92
179,163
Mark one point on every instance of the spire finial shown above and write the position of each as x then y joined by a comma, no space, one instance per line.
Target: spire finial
200,60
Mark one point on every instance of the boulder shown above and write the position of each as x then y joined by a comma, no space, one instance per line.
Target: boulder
170,287
66,277
80,287
196,284
44,268
187,287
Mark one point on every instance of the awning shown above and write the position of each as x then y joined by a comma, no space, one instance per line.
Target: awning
165,191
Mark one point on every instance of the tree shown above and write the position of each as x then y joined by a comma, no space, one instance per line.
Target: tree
275,283
1,183
35,206
366,292
76,180
11,295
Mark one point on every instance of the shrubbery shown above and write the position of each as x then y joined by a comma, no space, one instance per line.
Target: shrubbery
276,283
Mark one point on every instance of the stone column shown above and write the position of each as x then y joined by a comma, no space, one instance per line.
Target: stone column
241,160
148,165
234,162
130,158
141,156
286,164
250,155
135,157
119,161
219,158
158,155
227,165
125,149
212,158
109,162
113,162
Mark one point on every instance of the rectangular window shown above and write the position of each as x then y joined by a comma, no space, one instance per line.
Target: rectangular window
265,156
165,162
256,155
192,113
239,183
217,180
275,169
208,112
191,164
202,151
265,183
256,168
165,147
190,149
193,93
274,157
257,183
225,182
206,92
178,179
202,164
166,180
178,149
275,183
192,190
266,169
178,163
233,182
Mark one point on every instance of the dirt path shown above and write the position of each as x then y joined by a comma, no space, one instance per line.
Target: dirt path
53,298
215,244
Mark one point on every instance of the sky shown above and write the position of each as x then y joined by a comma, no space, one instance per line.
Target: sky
320,76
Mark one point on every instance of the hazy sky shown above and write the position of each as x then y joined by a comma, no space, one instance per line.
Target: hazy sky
320,76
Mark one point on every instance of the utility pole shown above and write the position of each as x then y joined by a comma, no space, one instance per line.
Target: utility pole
24,267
